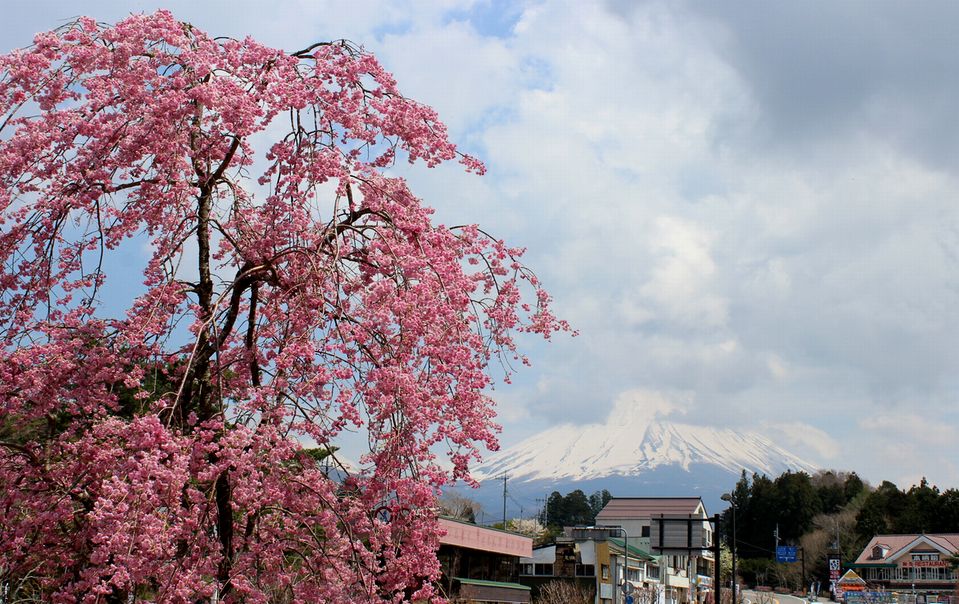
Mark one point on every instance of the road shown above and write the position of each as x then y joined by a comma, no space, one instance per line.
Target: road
757,597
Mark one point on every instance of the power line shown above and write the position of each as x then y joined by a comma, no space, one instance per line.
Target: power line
518,504
759,547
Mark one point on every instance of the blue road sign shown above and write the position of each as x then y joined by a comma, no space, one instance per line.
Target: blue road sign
786,553
629,599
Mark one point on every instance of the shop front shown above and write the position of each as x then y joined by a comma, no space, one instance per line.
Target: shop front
918,567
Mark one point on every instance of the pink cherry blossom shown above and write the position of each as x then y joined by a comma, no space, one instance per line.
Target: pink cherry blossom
168,453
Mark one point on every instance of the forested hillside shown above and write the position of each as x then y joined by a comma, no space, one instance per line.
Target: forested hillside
824,512
820,513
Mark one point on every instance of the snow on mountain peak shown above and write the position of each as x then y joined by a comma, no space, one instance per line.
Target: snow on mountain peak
637,438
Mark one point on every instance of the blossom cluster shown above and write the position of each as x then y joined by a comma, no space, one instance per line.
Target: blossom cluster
169,453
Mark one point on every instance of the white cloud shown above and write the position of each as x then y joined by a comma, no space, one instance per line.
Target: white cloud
781,259
908,427
485,76
680,281
801,437
640,406
907,444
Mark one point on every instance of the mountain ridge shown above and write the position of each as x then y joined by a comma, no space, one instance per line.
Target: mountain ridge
568,452
637,452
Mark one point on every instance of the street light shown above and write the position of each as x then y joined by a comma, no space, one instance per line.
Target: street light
729,498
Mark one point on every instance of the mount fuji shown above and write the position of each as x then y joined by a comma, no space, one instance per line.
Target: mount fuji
638,451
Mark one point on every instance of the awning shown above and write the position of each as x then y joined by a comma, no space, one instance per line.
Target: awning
633,551
485,583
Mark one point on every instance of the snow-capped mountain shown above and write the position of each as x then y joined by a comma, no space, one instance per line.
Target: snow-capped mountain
638,451
572,453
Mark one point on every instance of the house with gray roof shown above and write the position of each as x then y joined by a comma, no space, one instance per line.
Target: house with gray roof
682,574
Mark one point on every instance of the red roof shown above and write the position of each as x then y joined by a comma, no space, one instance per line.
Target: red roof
650,507
949,541
894,544
464,534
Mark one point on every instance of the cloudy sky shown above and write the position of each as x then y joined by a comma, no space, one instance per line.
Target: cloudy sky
750,208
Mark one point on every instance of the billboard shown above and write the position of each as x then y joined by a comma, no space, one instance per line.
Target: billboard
834,562
870,597
677,535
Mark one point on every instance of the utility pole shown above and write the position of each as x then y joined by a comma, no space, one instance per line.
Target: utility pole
776,535
732,504
717,552
735,585
504,501
802,551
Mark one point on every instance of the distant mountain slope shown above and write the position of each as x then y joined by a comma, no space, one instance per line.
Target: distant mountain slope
578,453
638,451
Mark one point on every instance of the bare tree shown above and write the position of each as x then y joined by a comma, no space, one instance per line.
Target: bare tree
458,506
565,592
649,594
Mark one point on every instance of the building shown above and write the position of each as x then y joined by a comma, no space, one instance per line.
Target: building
481,564
641,569
684,577
919,565
565,560
590,557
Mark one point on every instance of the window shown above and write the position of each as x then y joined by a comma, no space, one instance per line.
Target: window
585,570
644,532
543,570
604,569
526,569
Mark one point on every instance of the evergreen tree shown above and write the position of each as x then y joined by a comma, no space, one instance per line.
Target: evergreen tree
577,508
947,512
853,486
597,501
871,519
796,502
555,510
831,491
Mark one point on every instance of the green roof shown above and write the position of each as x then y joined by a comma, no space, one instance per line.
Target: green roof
871,565
633,549
491,583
